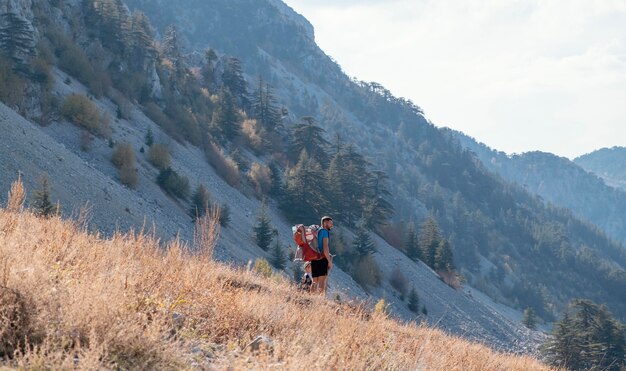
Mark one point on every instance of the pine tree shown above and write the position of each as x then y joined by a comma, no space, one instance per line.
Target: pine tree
233,79
309,137
263,230
208,70
225,123
411,246
429,239
276,188
414,305
199,202
363,244
377,209
17,40
443,257
587,337
278,260
529,319
171,45
304,197
264,106
142,42
42,204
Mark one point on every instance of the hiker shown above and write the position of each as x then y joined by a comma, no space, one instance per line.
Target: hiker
307,278
321,267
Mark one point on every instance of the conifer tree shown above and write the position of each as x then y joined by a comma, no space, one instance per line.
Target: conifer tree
443,257
42,204
142,41
363,244
171,45
278,260
411,246
429,239
377,209
309,137
414,305
225,123
199,202
529,320
263,230
233,79
301,200
587,337
264,106
208,70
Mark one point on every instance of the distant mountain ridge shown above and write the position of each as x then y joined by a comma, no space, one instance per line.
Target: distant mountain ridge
607,163
558,181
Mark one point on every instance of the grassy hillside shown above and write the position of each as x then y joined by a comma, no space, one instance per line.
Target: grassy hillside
86,302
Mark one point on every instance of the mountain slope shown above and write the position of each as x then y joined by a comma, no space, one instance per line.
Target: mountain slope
171,309
607,163
506,241
559,181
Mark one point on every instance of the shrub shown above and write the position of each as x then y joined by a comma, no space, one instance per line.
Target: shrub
174,184
129,176
261,176
224,215
159,156
399,282
14,322
254,136
366,272
381,308
156,114
199,202
79,110
123,155
124,109
225,167
262,267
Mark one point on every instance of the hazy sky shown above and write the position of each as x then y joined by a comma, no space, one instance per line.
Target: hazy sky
526,75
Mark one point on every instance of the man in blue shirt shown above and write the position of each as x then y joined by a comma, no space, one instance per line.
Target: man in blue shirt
320,268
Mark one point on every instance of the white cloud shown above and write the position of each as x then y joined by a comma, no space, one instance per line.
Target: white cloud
518,75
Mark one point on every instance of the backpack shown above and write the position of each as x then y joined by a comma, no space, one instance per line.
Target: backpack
306,241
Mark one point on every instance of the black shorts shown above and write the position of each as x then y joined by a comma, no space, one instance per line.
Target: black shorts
319,268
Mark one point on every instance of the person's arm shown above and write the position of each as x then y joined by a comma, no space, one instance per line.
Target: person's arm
326,252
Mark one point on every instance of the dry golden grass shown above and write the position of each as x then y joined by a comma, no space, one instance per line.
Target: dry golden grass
125,302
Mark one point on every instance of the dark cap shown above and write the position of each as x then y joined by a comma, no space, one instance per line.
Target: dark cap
325,218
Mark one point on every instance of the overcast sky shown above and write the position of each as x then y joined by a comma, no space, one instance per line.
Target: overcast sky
545,75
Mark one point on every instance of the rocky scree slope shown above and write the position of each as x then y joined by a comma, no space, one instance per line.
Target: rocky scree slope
506,241
79,177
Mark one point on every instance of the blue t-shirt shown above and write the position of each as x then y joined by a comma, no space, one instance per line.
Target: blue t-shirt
323,233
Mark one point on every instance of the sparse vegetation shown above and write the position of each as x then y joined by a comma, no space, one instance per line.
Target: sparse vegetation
174,184
261,177
152,308
79,110
223,165
159,156
262,267
123,155
399,282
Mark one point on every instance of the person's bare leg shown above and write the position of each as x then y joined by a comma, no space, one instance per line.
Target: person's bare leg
314,285
322,284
